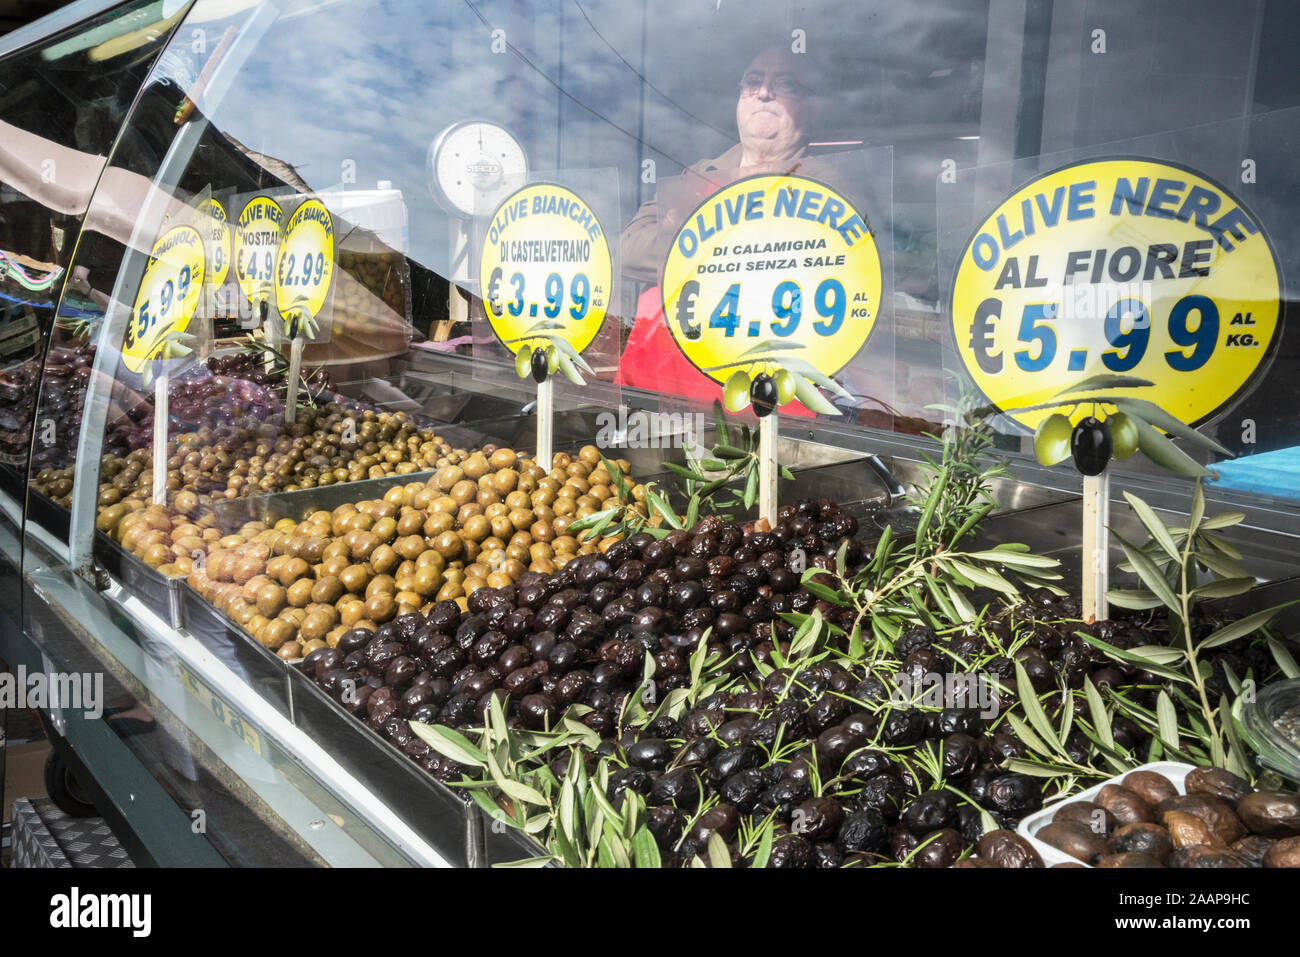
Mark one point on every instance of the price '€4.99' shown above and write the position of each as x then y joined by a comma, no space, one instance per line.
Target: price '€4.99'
781,264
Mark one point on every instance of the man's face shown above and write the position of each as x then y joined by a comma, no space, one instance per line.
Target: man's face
771,121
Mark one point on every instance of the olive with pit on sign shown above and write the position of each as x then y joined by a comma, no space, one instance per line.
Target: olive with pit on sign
763,394
540,365
1090,446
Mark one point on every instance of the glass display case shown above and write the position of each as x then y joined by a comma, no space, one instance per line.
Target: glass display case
299,298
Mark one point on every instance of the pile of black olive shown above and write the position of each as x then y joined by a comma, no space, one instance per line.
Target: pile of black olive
581,635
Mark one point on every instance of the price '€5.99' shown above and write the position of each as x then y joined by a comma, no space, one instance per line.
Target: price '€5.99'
545,266
772,261
1117,266
167,298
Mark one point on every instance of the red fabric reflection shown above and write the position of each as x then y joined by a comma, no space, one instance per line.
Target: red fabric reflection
652,361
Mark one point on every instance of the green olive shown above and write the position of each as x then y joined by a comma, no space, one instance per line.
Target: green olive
1052,439
523,361
785,386
1123,435
552,360
735,394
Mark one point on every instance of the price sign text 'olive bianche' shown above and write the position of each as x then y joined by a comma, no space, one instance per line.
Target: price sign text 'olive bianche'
1125,266
305,266
772,259
545,267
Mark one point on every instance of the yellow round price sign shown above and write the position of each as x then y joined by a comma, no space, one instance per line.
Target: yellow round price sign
216,240
756,259
545,267
167,298
1120,266
306,264
257,242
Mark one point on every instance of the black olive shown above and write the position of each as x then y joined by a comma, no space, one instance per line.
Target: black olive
970,823
649,754
1090,446
540,365
930,811
791,851
827,856
721,819
743,789
903,727
941,850
538,711
827,711
699,750
731,761
1203,855
864,764
1253,849
762,393
1141,838
679,787
818,819
425,713
834,744
662,727
960,755
784,796
1015,795
864,830
665,823
1216,783
883,793
625,779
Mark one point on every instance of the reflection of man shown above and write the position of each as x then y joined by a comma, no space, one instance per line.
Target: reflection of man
773,116
773,113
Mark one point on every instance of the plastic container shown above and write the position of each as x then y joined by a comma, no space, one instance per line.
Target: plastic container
1280,751
1175,771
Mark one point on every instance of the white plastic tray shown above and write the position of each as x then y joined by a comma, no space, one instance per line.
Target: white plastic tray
1175,771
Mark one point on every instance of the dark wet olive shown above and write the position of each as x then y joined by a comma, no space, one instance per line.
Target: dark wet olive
1092,816
734,759
1127,859
903,727
721,819
1203,855
883,793
1090,446
940,849
865,763
538,711
1074,839
743,789
960,756
665,824
625,779
1015,795
1008,849
1217,783
650,754
679,787
1253,849
697,751
791,851
539,365
784,796
930,811
818,819
1141,838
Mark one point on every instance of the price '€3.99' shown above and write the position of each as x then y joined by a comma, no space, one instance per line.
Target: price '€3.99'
573,300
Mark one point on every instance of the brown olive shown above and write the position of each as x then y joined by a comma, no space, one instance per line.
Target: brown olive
1092,816
1217,783
1074,839
1128,859
1203,855
1125,805
1285,853
1188,830
1150,786
299,593
1218,816
1271,813
1008,849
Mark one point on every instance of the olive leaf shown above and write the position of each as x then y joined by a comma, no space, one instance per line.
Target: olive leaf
1105,380
813,374
1147,571
1158,448
449,743
1034,711
719,856
1242,626
1156,528
1167,721
764,852
645,852
1097,711
807,393
1152,414
1285,662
